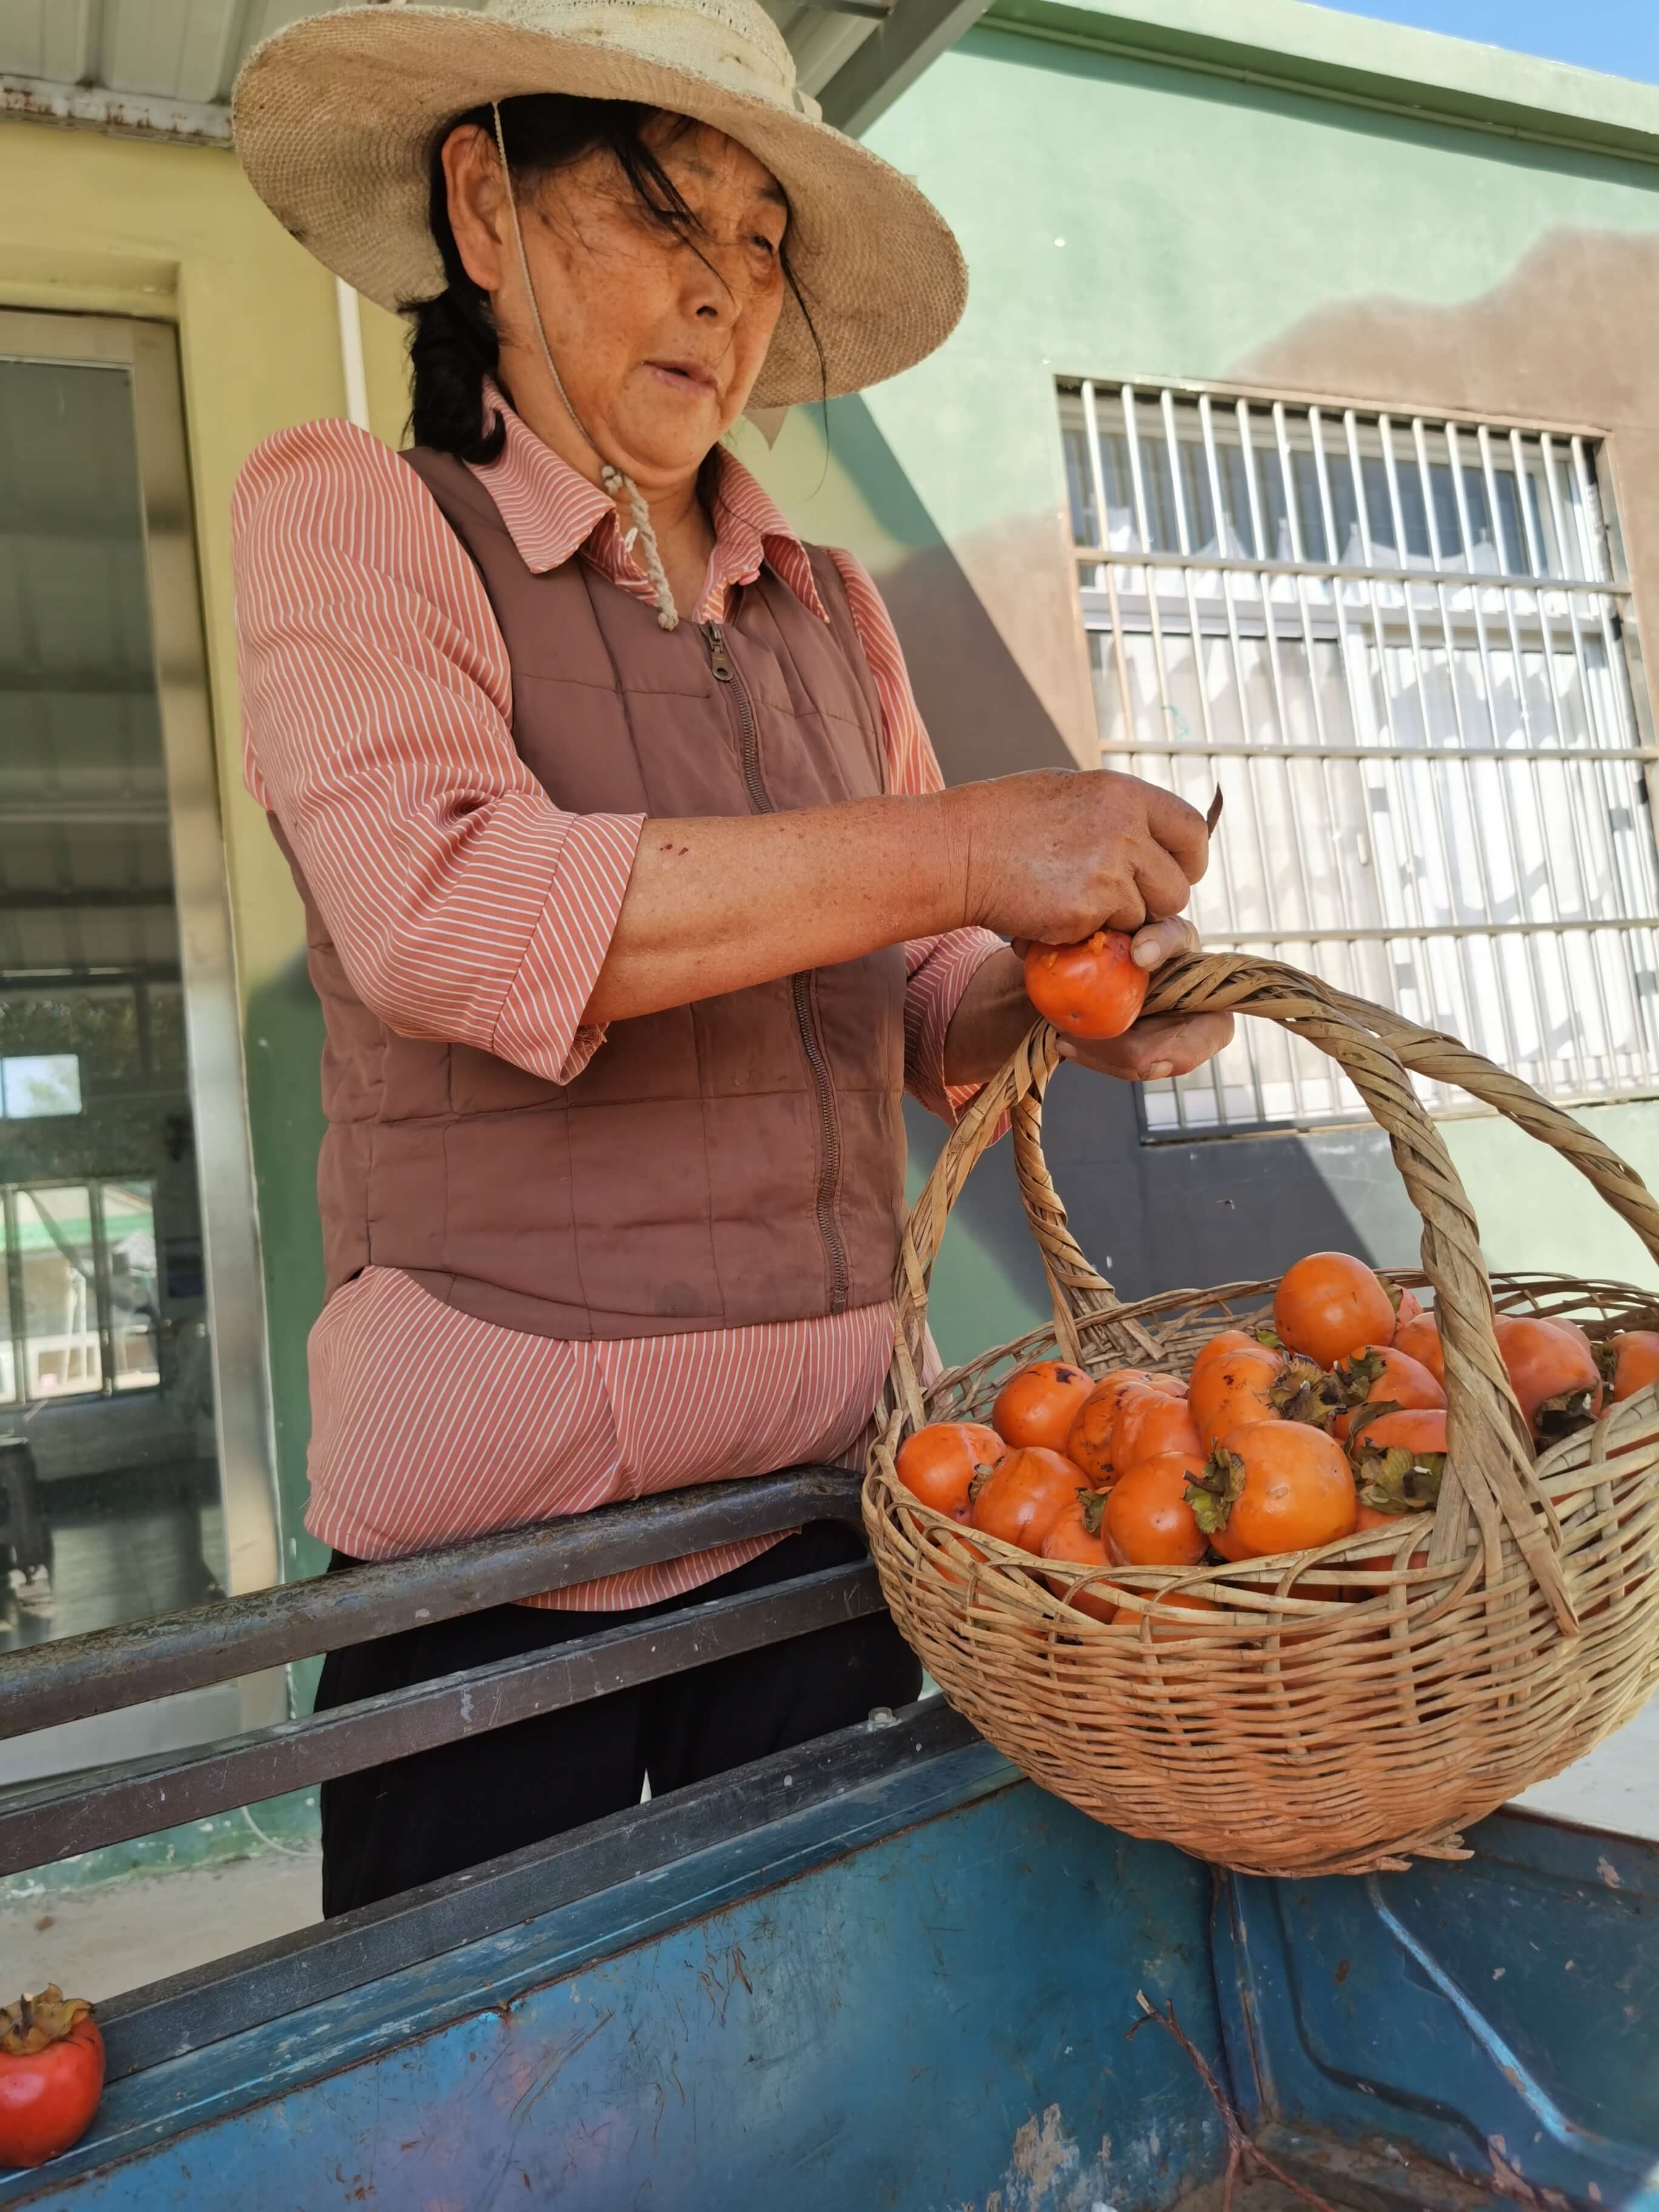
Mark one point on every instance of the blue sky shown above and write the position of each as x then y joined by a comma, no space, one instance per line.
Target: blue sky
1621,36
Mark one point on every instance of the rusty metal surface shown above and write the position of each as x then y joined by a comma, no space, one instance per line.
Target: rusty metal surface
57,1819
912,1994
187,2012
52,1683
125,114
1492,2019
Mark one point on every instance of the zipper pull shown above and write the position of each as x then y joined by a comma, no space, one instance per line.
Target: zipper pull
714,638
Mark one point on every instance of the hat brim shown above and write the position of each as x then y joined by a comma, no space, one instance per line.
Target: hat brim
335,118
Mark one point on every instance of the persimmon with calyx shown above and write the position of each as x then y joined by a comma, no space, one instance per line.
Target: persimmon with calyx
1330,1305
1149,1520
1630,1362
1021,1499
1399,1455
1089,990
1553,1371
1304,1392
51,2075
1383,1374
1234,1391
1149,1422
938,1463
1089,1440
1278,1487
1038,1405
1075,1537
1419,1339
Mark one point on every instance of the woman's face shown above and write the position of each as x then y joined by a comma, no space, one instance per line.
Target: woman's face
659,339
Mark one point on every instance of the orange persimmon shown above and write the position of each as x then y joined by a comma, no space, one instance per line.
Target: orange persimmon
1075,1536
1330,1305
1149,1519
1021,1499
1276,1486
1149,1422
1038,1405
1233,1391
938,1463
1089,1440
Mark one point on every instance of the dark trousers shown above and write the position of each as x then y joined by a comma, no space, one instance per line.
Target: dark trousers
391,1827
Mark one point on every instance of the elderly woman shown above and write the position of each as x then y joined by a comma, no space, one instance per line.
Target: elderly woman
634,898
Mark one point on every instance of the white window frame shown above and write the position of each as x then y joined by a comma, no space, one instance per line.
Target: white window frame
1517,663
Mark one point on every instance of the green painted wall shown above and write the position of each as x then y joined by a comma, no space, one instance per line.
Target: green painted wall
1128,219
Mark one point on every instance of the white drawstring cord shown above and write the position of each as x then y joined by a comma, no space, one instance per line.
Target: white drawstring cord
611,478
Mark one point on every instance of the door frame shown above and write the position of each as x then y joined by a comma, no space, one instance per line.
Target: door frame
234,1282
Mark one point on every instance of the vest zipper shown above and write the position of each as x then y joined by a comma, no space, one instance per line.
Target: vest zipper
803,988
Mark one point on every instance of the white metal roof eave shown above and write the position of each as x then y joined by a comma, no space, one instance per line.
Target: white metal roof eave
855,55
96,106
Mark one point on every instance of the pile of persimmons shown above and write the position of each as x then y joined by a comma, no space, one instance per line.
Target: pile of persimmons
1331,1420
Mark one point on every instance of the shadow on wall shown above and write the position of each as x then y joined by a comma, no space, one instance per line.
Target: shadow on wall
981,711
1154,1217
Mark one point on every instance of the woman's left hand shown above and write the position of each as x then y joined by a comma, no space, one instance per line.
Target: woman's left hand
1160,1045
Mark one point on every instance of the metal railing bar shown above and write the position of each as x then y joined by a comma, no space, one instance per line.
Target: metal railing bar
1352,572
138,1796
1430,756
168,2019
1391,931
115,1668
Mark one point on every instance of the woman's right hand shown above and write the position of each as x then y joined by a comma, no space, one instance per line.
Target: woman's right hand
1055,853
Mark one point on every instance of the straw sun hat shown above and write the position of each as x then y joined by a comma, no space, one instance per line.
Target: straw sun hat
336,119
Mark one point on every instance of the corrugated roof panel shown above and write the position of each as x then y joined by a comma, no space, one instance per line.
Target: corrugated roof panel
263,17
190,50
47,38
176,47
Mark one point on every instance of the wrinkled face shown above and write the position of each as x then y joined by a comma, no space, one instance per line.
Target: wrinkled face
658,332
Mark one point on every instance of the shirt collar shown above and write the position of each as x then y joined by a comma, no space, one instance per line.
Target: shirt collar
552,512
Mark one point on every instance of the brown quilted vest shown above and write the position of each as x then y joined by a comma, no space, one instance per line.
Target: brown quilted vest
735,1161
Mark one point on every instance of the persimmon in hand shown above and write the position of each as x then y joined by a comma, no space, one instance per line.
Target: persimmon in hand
1089,990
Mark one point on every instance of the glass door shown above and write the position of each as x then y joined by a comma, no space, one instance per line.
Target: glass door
135,1463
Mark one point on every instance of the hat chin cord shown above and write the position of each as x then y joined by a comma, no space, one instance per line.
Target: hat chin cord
611,478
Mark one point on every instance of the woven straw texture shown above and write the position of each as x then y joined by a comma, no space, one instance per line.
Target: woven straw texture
336,118
1340,1710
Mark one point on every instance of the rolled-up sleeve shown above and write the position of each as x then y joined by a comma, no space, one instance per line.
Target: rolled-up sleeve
941,969
377,700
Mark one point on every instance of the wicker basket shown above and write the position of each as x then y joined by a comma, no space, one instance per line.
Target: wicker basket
1321,1720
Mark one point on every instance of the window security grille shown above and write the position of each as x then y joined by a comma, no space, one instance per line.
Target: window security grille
1399,646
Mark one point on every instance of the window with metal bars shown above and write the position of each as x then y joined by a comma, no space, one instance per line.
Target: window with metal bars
1399,646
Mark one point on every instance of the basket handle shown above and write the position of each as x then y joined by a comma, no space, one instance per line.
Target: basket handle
1492,1475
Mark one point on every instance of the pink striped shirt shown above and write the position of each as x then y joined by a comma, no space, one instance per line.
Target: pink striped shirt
464,906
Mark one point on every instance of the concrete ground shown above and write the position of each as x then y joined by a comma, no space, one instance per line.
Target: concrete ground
98,1942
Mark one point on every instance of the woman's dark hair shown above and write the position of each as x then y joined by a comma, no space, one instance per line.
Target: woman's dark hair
454,345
